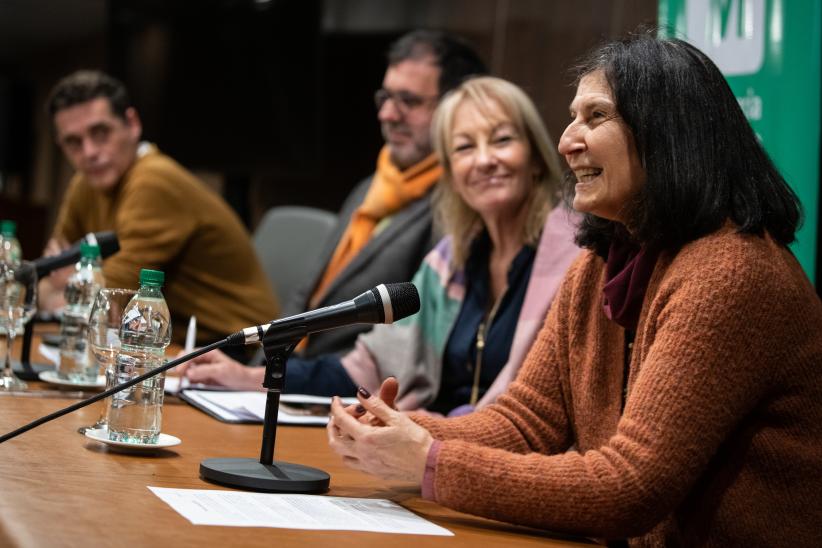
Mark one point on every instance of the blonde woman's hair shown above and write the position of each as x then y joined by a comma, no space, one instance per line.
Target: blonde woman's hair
453,216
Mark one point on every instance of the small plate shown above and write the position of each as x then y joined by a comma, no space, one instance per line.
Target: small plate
101,435
52,377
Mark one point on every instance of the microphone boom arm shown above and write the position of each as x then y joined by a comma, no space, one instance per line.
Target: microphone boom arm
111,391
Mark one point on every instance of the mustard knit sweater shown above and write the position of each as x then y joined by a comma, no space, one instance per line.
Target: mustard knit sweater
165,219
720,440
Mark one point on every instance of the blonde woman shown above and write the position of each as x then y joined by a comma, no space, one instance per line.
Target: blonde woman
484,289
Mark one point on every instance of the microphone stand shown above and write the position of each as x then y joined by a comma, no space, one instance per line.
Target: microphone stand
267,474
24,369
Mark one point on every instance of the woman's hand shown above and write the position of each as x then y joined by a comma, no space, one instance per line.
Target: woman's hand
388,394
396,448
216,368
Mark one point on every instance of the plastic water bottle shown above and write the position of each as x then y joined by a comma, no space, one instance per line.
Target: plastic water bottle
145,332
10,248
76,362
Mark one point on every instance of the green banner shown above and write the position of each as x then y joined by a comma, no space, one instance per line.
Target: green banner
769,50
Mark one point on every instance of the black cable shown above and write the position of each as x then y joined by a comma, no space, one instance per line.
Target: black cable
102,395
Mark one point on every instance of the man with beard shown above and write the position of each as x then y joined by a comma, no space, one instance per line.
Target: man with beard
385,223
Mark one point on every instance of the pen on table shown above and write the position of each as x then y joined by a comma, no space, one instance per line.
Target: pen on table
191,337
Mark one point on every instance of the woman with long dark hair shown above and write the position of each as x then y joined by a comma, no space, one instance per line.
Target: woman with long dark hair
674,395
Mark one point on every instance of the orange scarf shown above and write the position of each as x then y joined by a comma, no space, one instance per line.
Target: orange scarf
390,191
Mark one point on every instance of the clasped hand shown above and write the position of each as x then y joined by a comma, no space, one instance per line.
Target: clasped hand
374,437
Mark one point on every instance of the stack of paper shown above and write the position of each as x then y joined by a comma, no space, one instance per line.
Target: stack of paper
172,385
249,407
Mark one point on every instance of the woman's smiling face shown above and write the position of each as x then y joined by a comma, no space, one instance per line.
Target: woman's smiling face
490,161
600,150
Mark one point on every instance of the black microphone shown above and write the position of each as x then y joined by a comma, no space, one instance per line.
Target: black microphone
385,303
109,245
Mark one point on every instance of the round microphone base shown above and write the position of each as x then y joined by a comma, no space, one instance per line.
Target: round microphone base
282,477
29,371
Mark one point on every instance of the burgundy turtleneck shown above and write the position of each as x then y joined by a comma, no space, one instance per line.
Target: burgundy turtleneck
628,270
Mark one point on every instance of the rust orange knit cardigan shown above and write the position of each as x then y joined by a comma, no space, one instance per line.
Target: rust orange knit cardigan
720,440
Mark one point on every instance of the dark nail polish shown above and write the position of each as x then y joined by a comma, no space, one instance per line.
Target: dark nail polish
360,410
363,392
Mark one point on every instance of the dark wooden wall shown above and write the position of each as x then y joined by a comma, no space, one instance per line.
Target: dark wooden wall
272,101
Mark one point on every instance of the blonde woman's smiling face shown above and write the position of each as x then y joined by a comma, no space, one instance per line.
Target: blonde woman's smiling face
490,160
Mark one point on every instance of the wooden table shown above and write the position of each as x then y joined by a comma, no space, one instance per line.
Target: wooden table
58,488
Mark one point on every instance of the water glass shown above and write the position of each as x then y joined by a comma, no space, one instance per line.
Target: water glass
18,303
76,363
104,339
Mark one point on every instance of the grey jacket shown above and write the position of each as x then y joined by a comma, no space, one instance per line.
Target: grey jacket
391,256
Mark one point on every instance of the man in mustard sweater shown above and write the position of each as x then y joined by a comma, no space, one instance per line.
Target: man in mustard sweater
164,217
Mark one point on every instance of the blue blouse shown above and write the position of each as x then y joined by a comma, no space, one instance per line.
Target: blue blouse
325,376
460,358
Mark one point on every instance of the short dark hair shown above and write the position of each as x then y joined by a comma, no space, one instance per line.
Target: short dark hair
455,58
703,162
84,85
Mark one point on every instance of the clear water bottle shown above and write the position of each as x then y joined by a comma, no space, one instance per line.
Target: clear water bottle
145,332
76,362
10,250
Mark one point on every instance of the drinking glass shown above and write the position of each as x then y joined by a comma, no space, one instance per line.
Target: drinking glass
18,303
104,338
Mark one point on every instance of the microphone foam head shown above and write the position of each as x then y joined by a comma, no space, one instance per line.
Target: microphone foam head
405,300
108,242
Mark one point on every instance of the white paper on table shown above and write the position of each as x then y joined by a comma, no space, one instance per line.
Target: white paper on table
250,406
230,406
315,512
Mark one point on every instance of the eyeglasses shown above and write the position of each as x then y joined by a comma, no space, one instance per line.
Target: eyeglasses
403,100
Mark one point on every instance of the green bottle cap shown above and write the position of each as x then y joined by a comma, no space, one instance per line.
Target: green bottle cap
152,278
89,251
8,227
